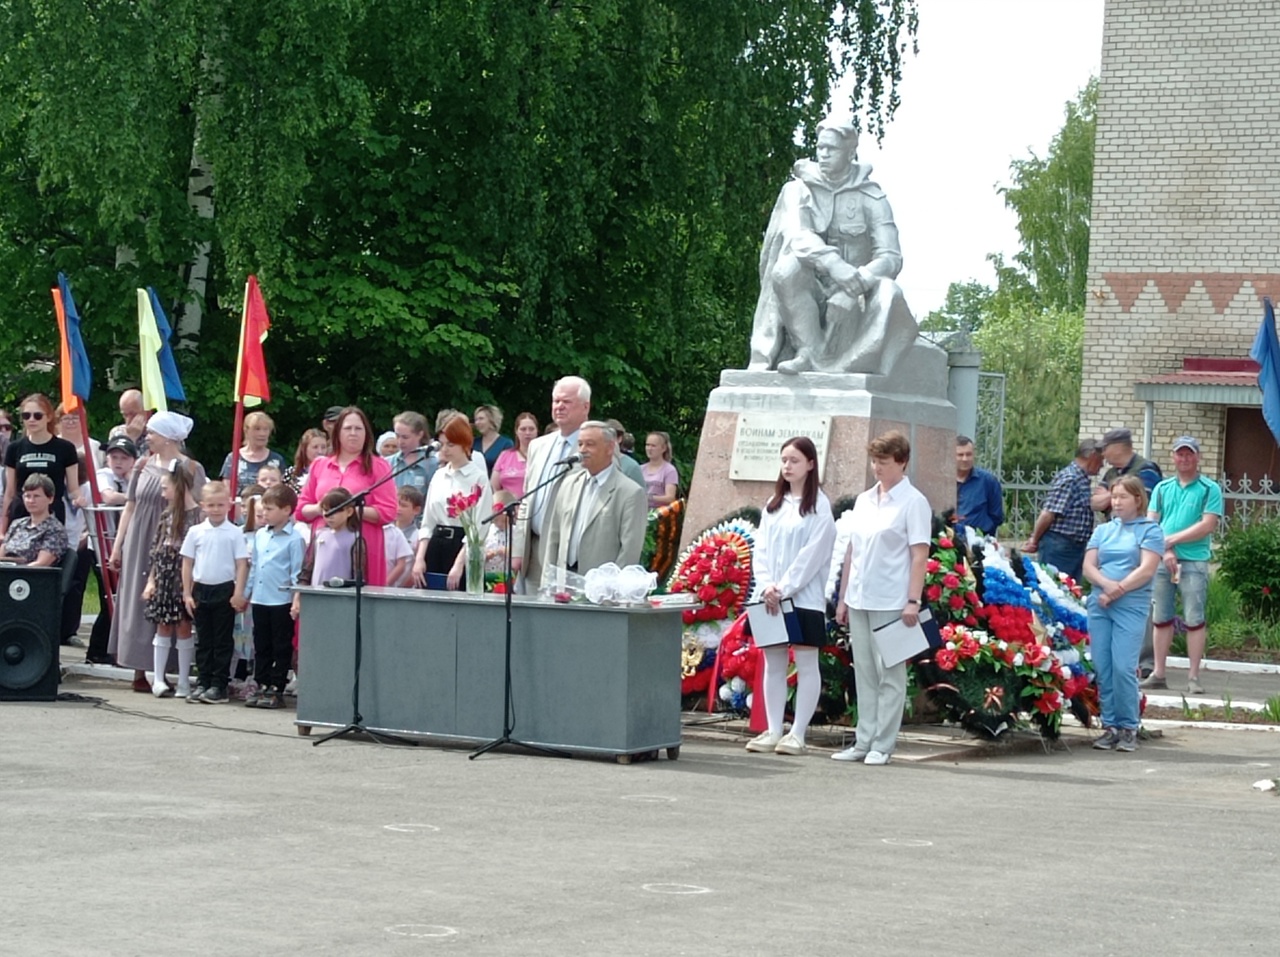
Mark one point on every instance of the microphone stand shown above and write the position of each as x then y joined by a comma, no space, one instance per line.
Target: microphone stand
356,724
508,712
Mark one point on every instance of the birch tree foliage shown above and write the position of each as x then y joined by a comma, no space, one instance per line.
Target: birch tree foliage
445,202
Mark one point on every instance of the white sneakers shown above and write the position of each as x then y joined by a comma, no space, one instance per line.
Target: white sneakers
764,743
854,753
790,744
851,753
772,743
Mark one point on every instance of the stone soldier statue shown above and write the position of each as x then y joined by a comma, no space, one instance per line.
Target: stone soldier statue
828,300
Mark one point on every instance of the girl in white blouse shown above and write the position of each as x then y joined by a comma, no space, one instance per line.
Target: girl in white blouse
440,538
792,555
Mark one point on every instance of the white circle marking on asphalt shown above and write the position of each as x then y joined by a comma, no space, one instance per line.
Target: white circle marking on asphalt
421,930
675,889
906,842
409,828
648,798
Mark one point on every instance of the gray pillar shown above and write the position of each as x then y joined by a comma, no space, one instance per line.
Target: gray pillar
964,363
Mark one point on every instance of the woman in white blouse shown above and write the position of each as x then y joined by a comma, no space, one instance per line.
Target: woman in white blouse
792,555
440,537
882,580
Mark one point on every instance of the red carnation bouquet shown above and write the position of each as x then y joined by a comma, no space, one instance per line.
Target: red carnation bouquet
949,584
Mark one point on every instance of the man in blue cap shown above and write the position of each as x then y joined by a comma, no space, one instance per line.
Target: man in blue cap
1188,507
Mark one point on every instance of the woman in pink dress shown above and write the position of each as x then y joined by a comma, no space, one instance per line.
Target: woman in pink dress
355,467
508,471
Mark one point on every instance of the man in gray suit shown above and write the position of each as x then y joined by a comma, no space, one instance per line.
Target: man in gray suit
570,407
599,514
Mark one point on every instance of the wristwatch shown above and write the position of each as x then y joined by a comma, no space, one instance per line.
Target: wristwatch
913,601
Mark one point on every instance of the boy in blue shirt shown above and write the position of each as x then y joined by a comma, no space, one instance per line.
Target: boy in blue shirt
278,552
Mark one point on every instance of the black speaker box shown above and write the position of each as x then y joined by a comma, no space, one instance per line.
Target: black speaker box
30,618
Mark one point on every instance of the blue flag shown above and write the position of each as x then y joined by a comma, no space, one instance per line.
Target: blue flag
168,367
81,370
1266,352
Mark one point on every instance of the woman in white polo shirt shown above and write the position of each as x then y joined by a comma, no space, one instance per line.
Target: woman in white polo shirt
882,580
792,555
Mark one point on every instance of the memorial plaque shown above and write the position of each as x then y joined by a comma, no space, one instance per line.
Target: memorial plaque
759,438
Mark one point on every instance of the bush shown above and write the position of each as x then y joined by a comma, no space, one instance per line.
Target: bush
1250,564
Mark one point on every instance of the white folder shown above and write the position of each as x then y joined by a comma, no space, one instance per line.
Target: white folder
897,641
767,629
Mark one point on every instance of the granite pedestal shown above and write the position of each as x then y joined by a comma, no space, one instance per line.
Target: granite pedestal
912,400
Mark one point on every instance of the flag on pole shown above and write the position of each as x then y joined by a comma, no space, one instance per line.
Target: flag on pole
76,372
1266,352
149,344
252,387
159,370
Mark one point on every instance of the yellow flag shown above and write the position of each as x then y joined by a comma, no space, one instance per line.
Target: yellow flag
149,346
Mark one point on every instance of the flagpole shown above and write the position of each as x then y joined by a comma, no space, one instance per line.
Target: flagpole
99,520
237,430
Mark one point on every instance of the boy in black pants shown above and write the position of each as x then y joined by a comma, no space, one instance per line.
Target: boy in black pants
278,551
215,564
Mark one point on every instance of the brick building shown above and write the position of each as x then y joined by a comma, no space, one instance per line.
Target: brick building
1185,236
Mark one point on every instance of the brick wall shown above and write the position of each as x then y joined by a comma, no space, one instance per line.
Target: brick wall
1185,235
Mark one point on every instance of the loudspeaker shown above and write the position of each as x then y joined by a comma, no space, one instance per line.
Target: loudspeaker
30,617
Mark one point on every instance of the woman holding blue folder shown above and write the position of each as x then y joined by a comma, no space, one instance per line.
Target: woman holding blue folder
791,560
882,581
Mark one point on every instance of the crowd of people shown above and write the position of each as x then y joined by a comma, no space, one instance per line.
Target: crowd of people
384,508
209,576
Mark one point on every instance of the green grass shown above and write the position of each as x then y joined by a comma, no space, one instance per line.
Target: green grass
1228,626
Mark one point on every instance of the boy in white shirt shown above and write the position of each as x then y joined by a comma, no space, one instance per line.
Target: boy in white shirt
215,565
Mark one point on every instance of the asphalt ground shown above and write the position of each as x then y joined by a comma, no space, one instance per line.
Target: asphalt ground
142,826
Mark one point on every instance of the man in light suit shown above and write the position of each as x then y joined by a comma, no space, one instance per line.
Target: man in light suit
599,514
570,407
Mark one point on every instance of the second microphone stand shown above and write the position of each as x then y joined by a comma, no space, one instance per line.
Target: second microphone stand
508,711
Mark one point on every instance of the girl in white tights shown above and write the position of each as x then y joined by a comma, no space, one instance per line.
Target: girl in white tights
162,595
791,560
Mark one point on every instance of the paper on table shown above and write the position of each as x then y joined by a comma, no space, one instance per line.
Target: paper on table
767,629
897,642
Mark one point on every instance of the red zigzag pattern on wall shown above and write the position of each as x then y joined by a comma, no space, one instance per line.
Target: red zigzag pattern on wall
1222,287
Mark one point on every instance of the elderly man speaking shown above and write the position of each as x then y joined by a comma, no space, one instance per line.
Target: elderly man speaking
599,514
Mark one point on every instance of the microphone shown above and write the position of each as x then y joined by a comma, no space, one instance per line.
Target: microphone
341,583
573,459
428,449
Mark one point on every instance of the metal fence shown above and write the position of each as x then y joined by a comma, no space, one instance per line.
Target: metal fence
1245,501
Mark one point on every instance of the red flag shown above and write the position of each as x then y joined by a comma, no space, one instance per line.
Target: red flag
252,387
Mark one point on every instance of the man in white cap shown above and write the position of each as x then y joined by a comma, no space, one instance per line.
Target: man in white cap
1188,506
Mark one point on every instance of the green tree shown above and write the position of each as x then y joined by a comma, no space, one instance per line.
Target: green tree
964,308
445,203
1040,353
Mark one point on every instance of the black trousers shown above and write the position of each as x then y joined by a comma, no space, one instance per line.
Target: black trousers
215,622
101,632
272,645
73,600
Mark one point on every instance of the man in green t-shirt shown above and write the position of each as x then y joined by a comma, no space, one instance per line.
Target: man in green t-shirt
1188,506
